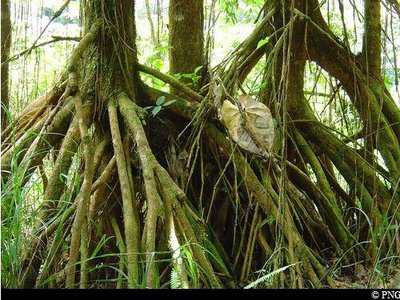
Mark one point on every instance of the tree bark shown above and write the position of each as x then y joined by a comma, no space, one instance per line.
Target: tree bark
186,37
372,48
5,54
154,39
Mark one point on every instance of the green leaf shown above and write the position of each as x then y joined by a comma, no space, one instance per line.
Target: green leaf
393,227
175,281
262,42
100,244
189,75
269,220
177,75
198,69
160,100
215,256
156,110
267,277
169,102
196,78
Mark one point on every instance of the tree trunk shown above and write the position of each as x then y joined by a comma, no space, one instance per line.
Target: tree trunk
186,46
372,48
104,90
154,39
5,54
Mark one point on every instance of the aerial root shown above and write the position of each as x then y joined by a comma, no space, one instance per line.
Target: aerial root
161,195
80,221
129,207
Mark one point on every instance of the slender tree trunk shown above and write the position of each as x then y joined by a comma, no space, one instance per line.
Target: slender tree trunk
5,53
372,48
154,39
186,37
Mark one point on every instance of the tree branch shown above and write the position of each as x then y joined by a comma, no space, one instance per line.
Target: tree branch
54,40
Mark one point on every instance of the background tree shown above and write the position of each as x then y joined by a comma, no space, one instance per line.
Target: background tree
186,46
5,53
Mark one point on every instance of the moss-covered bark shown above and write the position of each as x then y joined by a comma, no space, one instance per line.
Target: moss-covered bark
5,53
186,46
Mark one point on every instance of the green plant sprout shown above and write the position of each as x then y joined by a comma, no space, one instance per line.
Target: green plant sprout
160,104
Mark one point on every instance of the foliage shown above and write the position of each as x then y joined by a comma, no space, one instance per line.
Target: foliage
160,104
194,77
267,277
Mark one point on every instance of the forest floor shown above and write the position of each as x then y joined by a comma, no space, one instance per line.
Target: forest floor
367,278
